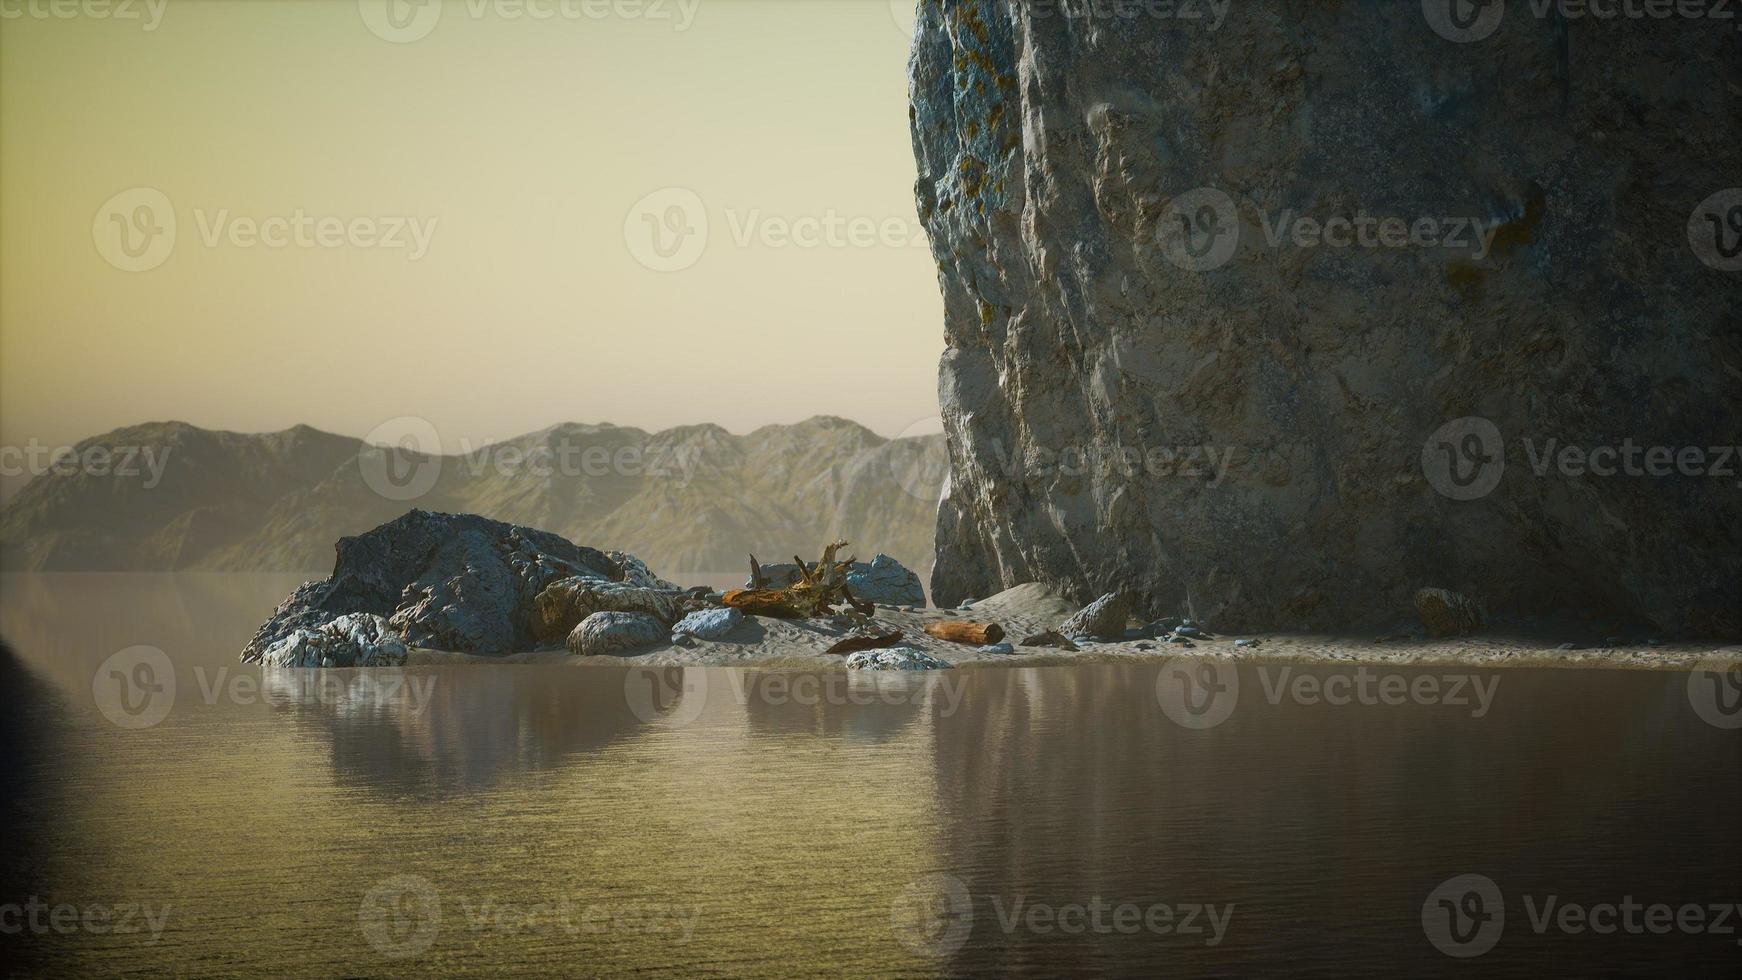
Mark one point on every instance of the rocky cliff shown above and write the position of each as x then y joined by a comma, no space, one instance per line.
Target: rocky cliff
1277,312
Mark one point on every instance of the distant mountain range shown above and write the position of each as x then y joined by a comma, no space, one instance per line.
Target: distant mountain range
694,499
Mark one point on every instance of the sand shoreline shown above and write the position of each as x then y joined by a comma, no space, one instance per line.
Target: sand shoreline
771,644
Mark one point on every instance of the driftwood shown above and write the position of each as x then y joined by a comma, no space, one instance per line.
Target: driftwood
819,589
866,640
956,631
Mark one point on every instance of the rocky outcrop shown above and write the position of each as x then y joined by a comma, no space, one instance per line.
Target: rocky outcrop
353,640
606,633
454,582
1219,291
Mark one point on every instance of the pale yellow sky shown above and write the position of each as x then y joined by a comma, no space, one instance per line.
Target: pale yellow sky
382,209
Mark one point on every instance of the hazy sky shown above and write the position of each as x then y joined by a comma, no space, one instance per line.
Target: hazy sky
247,214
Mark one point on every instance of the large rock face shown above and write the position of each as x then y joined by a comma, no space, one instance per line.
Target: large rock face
1119,204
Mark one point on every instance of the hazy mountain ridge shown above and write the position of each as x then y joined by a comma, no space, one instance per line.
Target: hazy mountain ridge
688,499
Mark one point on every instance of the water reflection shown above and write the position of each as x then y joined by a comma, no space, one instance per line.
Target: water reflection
797,811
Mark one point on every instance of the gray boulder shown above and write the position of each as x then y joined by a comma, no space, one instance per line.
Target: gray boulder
709,624
1168,369
1103,619
605,633
885,581
895,658
354,640
454,582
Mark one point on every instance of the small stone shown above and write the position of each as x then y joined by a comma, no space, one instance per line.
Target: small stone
1246,643
998,648
1567,646
682,640
1145,646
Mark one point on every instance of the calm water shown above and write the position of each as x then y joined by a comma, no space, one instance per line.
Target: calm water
591,821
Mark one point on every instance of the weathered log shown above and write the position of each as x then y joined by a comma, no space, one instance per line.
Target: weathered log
866,640
956,631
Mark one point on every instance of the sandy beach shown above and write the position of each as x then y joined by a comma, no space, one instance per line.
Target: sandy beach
768,643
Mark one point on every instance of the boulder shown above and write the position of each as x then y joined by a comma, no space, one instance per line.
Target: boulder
1104,618
885,581
353,640
1159,376
895,658
1446,613
563,604
709,624
605,633
454,582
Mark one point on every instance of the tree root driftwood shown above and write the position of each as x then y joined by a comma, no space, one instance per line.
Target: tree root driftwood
868,638
820,587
